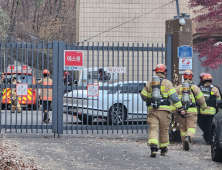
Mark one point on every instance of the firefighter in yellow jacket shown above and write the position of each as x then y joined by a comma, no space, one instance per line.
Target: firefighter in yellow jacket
46,97
213,100
189,94
14,98
156,93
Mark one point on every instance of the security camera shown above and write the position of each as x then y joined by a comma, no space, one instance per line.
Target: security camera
182,21
183,14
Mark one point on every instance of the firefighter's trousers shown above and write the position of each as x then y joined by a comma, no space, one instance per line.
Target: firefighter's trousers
14,103
206,121
159,121
188,125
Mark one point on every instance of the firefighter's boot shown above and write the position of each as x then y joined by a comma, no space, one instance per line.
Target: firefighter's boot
46,117
164,151
187,143
154,150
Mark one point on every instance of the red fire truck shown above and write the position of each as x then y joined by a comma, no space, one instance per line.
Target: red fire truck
24,74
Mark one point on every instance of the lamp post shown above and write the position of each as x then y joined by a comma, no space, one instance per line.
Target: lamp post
180,27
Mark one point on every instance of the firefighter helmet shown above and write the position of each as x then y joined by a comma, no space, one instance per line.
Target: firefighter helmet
202,74
207,76
46,72
188,74
160,68
66,73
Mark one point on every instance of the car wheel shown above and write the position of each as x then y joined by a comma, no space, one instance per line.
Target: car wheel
117,114
216,152
84,119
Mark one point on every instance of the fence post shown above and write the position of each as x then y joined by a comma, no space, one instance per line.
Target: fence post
55,58
169,57
60,87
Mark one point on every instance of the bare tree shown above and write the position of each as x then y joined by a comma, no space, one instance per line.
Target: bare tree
4,22
47,20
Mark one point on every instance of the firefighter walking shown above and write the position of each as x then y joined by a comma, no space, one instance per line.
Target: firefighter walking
213,100
156,94
189,94
46,97
14,98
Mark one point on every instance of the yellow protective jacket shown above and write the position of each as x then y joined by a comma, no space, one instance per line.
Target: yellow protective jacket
197,96
211,110
167,90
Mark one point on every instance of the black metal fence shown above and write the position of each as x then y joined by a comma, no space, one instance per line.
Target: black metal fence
84,101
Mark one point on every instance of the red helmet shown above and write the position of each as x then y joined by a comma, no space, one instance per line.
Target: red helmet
46,72
202,74
207,76
65,74
188,74
160,68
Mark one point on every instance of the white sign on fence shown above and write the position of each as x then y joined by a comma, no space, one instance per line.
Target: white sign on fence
92,90
116,70
21,89
185,64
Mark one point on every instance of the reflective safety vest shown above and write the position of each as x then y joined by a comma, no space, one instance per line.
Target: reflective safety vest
195,95
47,92
210,99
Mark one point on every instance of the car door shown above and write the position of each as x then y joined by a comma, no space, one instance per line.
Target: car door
220,128
142,105
134,104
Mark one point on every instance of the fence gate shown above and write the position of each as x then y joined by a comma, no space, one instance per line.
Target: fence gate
86,100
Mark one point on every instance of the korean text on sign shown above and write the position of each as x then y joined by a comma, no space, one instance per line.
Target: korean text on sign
116,70
73,60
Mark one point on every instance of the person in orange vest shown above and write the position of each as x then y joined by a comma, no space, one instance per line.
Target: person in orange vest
46,97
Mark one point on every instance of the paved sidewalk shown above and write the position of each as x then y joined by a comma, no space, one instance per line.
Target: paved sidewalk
109,152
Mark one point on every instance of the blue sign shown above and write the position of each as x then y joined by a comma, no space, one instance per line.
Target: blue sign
185,52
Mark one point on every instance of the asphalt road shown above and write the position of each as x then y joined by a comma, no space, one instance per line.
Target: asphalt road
106,151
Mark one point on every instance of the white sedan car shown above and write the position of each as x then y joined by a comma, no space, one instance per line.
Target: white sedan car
122,102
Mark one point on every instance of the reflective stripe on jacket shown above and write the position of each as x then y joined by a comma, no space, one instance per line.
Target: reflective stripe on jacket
167,91
211,110
47,92
197,96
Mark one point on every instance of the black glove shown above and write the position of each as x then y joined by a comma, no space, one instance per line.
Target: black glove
148,103
179,112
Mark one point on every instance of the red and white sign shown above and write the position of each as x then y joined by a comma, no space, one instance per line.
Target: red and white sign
185,64
73,60
93,90
21,89
116,70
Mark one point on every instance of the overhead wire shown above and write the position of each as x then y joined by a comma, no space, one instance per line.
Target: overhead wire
126,22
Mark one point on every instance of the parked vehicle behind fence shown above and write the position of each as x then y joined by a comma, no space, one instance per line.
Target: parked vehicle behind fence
115,106
24,74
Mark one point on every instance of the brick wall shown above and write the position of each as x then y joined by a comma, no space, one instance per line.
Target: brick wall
97,16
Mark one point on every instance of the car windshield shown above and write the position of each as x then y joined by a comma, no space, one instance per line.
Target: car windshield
25,79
